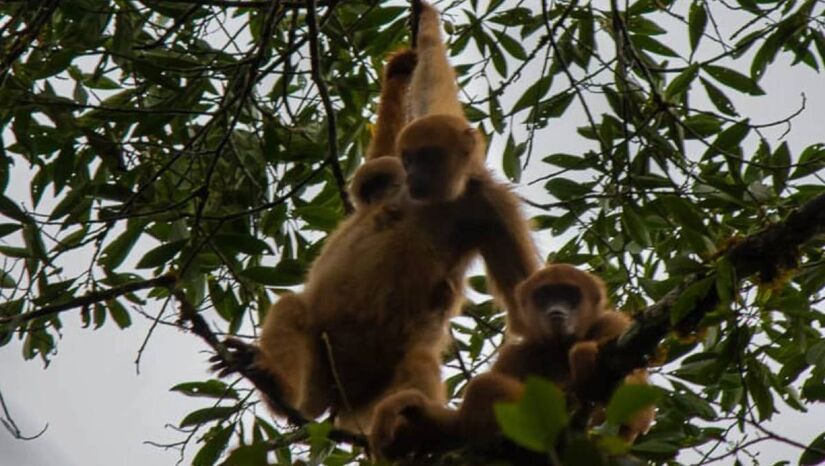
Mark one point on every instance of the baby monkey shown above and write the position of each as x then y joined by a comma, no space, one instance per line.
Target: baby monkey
564,319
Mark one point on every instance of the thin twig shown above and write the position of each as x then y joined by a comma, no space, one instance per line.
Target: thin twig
323,91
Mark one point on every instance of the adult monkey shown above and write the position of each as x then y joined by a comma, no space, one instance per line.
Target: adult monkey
372,319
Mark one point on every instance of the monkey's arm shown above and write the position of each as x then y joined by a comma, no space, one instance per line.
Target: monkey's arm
506,246
584,369
392,106
433,89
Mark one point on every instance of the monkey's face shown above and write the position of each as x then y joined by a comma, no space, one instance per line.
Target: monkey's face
431,174
557,308
438,153
559,301
377,180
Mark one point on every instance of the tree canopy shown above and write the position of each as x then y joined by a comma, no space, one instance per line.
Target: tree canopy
184,161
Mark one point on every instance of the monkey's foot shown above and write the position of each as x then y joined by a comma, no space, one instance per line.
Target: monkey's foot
242,356
408,424
401,64
396,426
429,26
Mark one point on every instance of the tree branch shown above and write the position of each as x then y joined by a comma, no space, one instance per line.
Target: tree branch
766,253
90,298
260,379
332,132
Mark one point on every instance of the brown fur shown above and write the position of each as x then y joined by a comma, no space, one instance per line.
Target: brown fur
372,318
565,352
392,111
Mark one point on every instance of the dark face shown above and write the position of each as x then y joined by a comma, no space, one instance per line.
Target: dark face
377,188
427,171
558,307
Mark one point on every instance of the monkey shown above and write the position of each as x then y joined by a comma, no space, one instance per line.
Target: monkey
372,318
566,320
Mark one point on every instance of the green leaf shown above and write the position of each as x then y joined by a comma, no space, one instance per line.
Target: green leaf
217,440
553,107
725,280
811,160
697,20
11,210
11,251
816,356
248,455
205,415
243,243
685,213
815,453
728,140
161,255
511,160
8,228
287,273
635,227
757,383
119,313
781,159
116,252
690,298
681,83
209,389
734,79
319,217
719,99
564,189
535,421
533,95
570,162
652,45
6,280
512,46
628,400
702,125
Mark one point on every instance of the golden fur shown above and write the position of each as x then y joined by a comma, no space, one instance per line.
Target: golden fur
372,318
562,346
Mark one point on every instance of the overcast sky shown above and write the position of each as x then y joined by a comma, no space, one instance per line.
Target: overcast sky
100,412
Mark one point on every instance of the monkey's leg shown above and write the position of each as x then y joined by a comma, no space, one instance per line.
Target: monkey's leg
413,418
476,416
289,353
392,106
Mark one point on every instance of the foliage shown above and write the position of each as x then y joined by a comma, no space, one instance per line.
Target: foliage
189,140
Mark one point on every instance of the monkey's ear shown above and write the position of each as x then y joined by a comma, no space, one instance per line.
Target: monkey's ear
474,144
599,292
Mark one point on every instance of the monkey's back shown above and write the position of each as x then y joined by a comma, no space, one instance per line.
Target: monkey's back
378,289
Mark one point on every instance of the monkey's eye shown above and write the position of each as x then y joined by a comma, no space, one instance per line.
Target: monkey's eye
565,294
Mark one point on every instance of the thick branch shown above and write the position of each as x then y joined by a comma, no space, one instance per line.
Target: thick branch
91,298
767,253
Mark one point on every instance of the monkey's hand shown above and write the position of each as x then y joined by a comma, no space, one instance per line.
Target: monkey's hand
242,357
408,423
588,379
